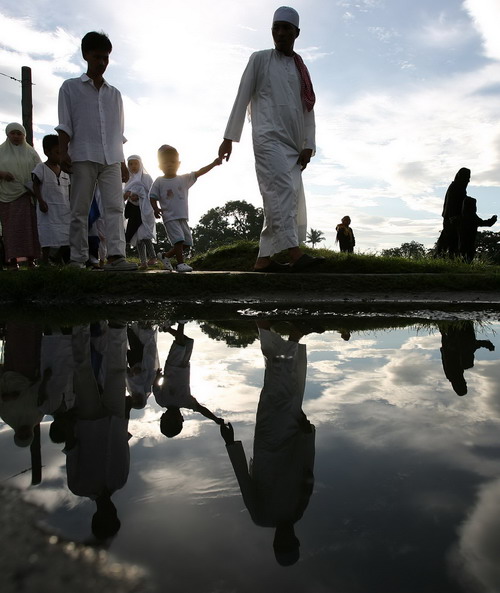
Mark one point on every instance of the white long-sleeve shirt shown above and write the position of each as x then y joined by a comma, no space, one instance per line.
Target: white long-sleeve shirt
271,85
93,119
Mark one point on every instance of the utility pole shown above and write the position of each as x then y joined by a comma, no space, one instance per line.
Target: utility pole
27,103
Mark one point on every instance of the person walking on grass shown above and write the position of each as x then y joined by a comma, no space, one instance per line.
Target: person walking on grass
90,129
277,86
169,198
345,235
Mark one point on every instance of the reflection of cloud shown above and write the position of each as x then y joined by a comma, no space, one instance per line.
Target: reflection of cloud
394,394
479,543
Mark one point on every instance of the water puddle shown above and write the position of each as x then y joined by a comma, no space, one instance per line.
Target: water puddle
264,453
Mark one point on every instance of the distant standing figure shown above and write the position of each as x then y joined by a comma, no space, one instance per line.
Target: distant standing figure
169,199
277,90
17,212
469,223
51,189
452,211
345,236
91,140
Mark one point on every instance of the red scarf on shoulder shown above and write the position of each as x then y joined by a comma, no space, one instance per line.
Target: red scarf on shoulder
306,87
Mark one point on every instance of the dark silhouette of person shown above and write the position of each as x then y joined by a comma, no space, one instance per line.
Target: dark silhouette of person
277,486
458,345
448,242
22,385
345,235
469,223
143,363
97,454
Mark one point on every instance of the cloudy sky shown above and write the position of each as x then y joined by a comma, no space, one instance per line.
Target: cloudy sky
407,93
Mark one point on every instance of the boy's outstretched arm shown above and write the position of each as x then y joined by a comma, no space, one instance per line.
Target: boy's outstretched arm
208,414
203,170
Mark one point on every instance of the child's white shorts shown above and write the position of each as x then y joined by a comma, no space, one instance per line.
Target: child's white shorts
178,230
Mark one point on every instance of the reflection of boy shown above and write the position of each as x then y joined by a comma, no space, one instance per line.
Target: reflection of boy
175,391
98,462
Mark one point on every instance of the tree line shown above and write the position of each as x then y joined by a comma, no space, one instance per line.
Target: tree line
239,220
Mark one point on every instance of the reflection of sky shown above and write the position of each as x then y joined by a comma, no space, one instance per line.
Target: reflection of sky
407,474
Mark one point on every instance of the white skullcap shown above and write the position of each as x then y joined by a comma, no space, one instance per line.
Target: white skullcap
287,14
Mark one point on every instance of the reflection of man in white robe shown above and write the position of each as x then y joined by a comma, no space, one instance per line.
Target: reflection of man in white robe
277,485
283,132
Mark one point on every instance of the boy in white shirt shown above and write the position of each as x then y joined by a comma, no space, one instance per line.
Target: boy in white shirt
91,142
171,192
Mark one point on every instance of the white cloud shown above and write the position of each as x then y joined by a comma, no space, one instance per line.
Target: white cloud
444,33
485,15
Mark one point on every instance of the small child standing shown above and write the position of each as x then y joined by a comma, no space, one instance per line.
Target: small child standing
467,229
51,189
171,192
141,223
345,236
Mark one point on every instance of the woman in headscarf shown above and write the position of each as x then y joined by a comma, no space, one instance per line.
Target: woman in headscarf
141,223
17,210
456,193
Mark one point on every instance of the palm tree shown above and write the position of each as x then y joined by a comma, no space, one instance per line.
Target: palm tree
314,236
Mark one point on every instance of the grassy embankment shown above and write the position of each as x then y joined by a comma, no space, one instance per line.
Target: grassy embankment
339,273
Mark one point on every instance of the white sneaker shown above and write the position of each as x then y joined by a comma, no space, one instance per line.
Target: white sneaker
165,262
183,268
120,265
76,264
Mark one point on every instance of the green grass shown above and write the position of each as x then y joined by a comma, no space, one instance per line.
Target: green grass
241,257
340,275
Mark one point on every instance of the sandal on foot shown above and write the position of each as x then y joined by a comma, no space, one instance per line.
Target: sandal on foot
274,268
306,262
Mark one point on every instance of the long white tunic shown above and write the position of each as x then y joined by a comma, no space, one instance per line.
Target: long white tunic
281,129
53,226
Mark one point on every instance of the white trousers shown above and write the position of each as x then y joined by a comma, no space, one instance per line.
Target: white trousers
280,184
83,181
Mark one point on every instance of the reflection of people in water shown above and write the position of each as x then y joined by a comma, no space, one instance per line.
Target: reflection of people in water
458,345
143,363
21,384
172,388
98,459
278,484
57,357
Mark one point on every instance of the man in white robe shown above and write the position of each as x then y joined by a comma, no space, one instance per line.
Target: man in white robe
277,87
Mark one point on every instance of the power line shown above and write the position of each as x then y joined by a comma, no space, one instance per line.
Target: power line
12,78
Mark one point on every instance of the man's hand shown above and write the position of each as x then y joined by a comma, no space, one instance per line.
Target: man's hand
66,162
125,172
304,158
43,206
225,149
6,176
227,433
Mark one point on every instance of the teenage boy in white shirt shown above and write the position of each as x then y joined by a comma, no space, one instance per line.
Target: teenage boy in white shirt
91,144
